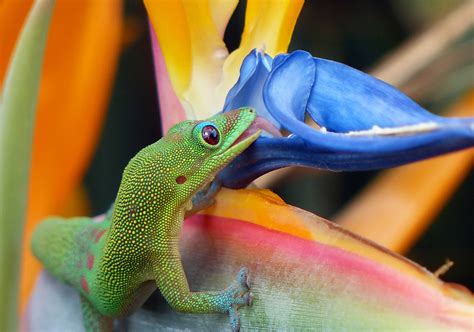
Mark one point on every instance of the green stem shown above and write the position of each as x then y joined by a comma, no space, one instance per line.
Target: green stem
17,115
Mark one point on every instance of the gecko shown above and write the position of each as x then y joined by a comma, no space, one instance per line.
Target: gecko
116,264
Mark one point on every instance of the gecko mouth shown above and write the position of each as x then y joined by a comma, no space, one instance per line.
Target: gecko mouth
258,125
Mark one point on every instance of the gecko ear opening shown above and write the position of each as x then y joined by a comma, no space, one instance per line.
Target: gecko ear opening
181,179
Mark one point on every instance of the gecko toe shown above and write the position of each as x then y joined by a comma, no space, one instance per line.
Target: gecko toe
234,319
243,278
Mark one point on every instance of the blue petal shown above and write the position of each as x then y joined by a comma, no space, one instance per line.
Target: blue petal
365,123
345,99
248,90
360,106
267,154
341,99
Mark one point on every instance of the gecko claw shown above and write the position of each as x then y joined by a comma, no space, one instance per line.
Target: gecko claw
249,296
243,278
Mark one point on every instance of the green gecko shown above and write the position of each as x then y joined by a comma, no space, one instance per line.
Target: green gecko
116,263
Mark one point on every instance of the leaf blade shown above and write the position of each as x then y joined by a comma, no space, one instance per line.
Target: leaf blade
17,114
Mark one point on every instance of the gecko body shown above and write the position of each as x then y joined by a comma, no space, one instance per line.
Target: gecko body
117,262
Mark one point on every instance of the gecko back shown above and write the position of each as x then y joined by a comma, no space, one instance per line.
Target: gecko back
62,246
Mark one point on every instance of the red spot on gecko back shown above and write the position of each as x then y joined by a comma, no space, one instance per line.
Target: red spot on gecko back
90,261
94,234
84,285
99,234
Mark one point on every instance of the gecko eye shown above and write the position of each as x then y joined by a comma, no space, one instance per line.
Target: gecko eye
210,135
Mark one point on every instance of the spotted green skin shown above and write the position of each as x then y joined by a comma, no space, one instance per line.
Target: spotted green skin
117,262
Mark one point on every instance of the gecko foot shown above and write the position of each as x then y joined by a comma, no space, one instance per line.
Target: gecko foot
206,197
237,295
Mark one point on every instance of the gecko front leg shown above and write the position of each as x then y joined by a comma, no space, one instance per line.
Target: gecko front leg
204,198
172,282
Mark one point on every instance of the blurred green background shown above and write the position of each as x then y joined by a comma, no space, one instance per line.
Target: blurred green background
357,33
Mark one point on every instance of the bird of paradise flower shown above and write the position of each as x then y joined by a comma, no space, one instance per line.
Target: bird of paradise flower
308,272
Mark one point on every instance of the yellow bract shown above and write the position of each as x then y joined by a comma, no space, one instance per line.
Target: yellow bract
190,34
171,27
192,48
268,26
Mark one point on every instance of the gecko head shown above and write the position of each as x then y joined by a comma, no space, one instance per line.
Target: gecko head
200,149
172,170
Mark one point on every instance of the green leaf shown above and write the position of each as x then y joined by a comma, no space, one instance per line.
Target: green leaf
17,115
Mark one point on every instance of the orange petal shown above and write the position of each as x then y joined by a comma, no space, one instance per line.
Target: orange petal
412,195
80,61
77,204
12,16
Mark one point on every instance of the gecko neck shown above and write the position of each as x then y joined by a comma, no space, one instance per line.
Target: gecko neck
147,203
